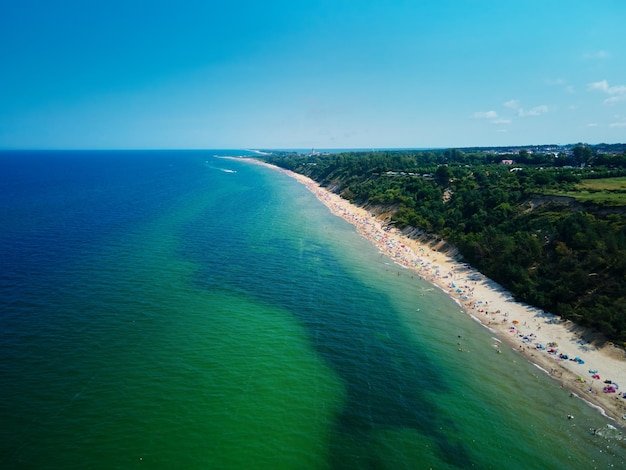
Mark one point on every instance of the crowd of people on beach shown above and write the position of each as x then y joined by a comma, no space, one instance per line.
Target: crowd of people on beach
520,325
459,281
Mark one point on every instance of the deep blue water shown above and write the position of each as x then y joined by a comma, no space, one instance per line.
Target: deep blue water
178,310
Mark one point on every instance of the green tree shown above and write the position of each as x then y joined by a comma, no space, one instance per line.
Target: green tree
582,154
443,175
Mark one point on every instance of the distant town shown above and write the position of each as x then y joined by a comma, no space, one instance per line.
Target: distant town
555,149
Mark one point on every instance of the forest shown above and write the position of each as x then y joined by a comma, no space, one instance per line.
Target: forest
535,220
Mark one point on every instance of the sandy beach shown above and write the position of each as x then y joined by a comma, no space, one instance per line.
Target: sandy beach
591,368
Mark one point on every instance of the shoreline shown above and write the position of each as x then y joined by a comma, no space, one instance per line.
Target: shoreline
580,361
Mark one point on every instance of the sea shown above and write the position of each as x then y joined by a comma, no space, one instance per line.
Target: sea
174,309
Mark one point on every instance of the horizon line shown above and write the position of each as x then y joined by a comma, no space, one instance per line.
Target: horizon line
284,149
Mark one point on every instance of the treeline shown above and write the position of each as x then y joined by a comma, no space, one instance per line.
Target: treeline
553,253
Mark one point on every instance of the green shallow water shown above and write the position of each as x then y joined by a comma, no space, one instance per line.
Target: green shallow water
210,319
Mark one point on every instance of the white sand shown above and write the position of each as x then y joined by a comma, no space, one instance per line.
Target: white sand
518,325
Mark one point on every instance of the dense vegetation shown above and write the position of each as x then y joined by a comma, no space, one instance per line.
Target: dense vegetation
517,222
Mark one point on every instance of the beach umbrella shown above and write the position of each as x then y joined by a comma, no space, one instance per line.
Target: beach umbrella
515,322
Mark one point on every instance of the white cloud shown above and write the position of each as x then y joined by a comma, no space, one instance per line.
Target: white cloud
615,99
536,111
501,121
485,115
617,124
560,82
512,104
597,55
555,81
602,85
592,124
617,93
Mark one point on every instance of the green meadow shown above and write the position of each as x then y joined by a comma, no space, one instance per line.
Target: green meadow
603,191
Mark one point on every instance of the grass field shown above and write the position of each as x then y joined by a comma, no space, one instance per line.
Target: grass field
604,184
604,191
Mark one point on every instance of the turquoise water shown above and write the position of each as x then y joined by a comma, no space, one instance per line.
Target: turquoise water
160,312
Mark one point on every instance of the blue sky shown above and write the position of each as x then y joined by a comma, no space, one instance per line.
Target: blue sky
302,74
